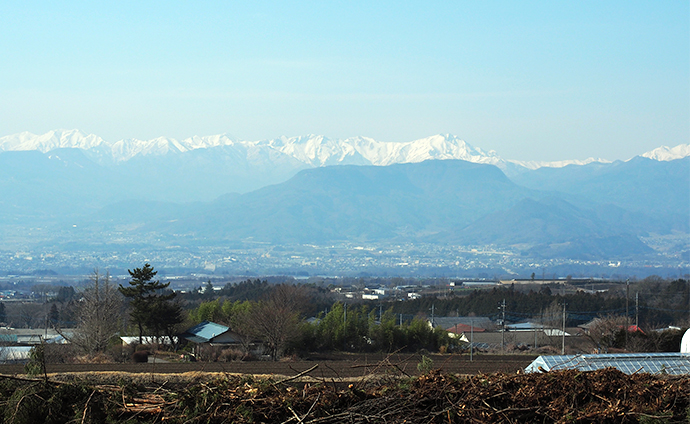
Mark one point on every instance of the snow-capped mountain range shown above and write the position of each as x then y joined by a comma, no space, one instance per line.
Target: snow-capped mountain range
311,150
66,187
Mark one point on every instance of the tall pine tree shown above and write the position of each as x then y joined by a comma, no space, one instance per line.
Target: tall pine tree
152,308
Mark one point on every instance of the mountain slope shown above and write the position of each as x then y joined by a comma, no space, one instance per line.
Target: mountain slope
358,203
35,186
449,202
654,188
453,202
551,227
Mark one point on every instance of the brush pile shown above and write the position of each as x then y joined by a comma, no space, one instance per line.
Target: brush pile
556,397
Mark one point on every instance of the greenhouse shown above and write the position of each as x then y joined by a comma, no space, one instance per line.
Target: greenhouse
629,363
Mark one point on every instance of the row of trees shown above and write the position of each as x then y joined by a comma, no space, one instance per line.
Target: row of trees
661,302
357,329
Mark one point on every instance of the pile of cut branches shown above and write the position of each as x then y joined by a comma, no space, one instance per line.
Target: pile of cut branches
556,397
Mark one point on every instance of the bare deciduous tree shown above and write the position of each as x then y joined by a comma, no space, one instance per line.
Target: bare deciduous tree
275,320
98,314
608,332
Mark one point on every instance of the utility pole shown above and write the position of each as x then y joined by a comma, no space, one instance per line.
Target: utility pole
627,310
637,310
563,332
502,307
433,324
471,338
344,326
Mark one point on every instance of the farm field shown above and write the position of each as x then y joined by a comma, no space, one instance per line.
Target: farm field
329,366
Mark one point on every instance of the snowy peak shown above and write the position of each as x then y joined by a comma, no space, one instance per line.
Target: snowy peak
51,140
665,153
442,146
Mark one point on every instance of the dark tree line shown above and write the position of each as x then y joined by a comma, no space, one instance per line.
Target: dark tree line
660,303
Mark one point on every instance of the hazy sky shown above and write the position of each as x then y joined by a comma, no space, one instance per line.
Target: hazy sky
532,80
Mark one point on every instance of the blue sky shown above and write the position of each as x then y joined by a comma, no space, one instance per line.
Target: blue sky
532,80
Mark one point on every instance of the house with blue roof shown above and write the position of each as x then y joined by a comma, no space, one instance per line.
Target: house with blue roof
212,334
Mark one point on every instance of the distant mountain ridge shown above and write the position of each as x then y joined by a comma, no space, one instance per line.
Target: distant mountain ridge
445,202
309,150
312,150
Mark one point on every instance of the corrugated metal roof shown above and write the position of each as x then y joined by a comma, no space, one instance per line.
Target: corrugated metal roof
204,332
9,354
8,338
629,363
524,326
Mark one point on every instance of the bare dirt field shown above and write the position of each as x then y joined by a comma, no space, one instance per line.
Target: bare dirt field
329,366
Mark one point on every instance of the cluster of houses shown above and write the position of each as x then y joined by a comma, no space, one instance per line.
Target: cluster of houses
481,333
